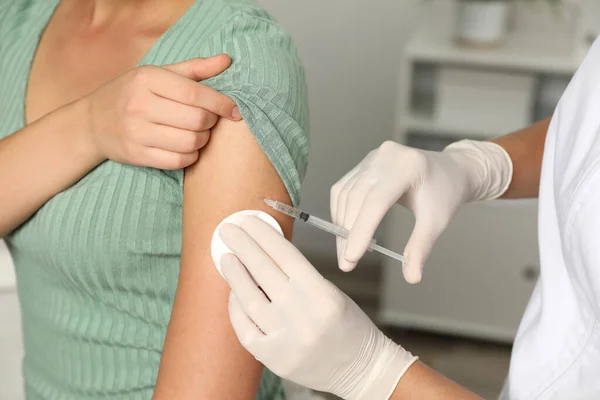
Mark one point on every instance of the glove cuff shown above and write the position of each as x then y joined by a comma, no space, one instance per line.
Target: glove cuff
488,166
385,371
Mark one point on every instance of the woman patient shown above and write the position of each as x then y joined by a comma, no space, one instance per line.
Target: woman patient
106,203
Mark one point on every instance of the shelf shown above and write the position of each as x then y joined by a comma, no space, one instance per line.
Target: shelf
431,126
525,50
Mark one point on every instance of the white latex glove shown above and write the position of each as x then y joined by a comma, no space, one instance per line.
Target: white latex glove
431,184
300,325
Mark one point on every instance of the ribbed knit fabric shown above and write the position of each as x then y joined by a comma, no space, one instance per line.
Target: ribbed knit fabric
97,265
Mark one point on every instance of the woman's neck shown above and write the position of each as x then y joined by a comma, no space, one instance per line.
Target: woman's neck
98,14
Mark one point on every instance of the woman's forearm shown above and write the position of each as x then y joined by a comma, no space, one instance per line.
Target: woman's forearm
41,160
526,149
423,383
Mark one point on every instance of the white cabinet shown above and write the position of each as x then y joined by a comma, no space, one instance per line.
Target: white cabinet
11,345
484,267
460,91
479,275
7,271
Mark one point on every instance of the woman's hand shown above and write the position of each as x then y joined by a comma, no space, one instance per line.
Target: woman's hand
158,116
432,185
300,325
150,116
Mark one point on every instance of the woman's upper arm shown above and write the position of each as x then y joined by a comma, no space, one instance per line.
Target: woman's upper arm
202,357
265,155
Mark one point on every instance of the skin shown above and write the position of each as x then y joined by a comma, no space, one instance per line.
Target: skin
526,149
81,68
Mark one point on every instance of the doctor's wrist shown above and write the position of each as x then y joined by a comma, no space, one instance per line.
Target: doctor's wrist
487,166
421,382
380,376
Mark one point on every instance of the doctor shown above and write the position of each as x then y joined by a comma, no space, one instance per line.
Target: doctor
304,329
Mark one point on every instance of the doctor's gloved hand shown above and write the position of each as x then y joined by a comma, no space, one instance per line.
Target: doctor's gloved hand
298,324
431,184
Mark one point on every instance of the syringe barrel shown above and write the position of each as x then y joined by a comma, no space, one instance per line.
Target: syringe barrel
284,208
331,228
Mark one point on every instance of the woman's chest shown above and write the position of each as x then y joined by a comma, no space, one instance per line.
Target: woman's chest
67,66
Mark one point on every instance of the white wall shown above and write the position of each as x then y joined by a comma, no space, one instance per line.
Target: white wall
350,49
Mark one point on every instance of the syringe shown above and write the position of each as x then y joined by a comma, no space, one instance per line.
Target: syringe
327,226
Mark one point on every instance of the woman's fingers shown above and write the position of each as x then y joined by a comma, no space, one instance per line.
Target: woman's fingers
163,159
174,140
170,85
199,69
175,127
171,113
159,117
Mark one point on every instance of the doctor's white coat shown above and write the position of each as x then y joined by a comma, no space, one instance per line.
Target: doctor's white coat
557,350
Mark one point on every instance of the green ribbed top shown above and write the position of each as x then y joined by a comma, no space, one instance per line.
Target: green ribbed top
97,265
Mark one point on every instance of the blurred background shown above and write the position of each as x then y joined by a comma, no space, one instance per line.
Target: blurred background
423,73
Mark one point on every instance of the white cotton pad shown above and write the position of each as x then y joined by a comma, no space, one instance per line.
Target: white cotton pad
218,248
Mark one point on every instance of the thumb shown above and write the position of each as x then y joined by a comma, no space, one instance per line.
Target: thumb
199,69
419,247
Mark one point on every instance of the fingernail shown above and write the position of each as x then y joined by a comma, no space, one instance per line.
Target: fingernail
236,114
